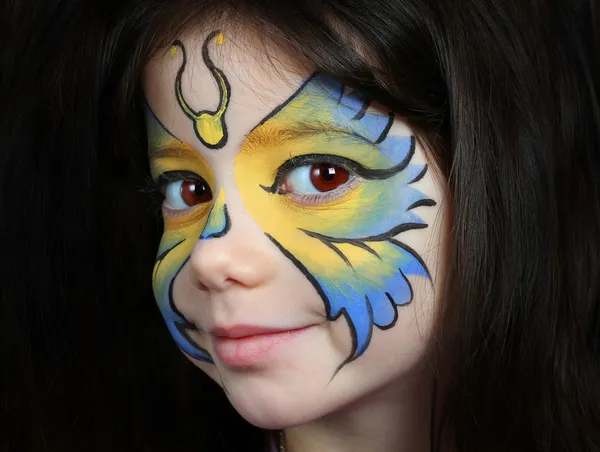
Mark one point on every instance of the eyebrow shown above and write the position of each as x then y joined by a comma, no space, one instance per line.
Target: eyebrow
269,136
182,150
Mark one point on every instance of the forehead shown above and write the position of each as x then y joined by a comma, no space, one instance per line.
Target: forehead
258,79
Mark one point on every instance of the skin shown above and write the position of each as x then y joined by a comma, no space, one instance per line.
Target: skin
245,256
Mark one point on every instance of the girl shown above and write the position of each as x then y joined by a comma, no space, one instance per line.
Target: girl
379,226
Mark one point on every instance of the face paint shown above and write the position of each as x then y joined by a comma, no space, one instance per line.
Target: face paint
342,240
311,218
326,182
172,163
209,126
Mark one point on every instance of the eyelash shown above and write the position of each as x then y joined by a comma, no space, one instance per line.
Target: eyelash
353,168
156,190
324,197
154,194
290,165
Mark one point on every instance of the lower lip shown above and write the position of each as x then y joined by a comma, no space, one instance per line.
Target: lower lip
247,351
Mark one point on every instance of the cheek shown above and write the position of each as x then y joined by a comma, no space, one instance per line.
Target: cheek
188,299
394,357
405,344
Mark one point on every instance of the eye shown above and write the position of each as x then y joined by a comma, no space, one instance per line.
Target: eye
185,193
313,179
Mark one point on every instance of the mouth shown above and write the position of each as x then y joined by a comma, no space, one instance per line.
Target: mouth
247,346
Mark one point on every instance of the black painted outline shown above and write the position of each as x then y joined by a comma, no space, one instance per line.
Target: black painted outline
182,327
388,236
333,248
395,305
427,202
363,110
341,95
164,254
319,289
330,244
419,176
359,169
284,104
403,227
370,335
413,253
222,232
347,164
387,129
216,73
369,174
384,237
186,325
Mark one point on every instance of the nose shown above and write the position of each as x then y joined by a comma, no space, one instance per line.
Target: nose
230,252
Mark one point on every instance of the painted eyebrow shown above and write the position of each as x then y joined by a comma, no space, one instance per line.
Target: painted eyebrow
265,136
185,151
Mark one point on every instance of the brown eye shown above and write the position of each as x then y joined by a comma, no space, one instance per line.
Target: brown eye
316,182
195,191
326,177
181,194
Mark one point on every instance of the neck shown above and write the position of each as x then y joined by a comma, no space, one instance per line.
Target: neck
395,418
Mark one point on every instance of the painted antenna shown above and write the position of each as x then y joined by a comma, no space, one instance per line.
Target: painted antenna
209,126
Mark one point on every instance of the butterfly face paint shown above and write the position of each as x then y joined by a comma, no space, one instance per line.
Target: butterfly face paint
323,175
341,239
175,166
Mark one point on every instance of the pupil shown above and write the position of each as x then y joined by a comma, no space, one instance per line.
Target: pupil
326,177
195,192
329,174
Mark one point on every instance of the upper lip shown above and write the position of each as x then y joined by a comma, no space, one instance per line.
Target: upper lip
239,331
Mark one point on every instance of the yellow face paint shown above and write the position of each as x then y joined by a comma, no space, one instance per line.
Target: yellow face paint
346,244
209,126
171,158
218,222
220,39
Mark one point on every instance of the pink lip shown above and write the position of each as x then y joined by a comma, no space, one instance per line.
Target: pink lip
243,346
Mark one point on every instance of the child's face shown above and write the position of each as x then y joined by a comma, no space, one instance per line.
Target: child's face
298,262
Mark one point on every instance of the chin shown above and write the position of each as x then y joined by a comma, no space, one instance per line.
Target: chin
273,407
275,413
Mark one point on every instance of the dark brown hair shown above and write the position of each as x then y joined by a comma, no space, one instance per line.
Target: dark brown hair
504,93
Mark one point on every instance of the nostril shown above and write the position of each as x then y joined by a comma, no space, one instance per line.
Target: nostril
211,264
235,259
198,283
